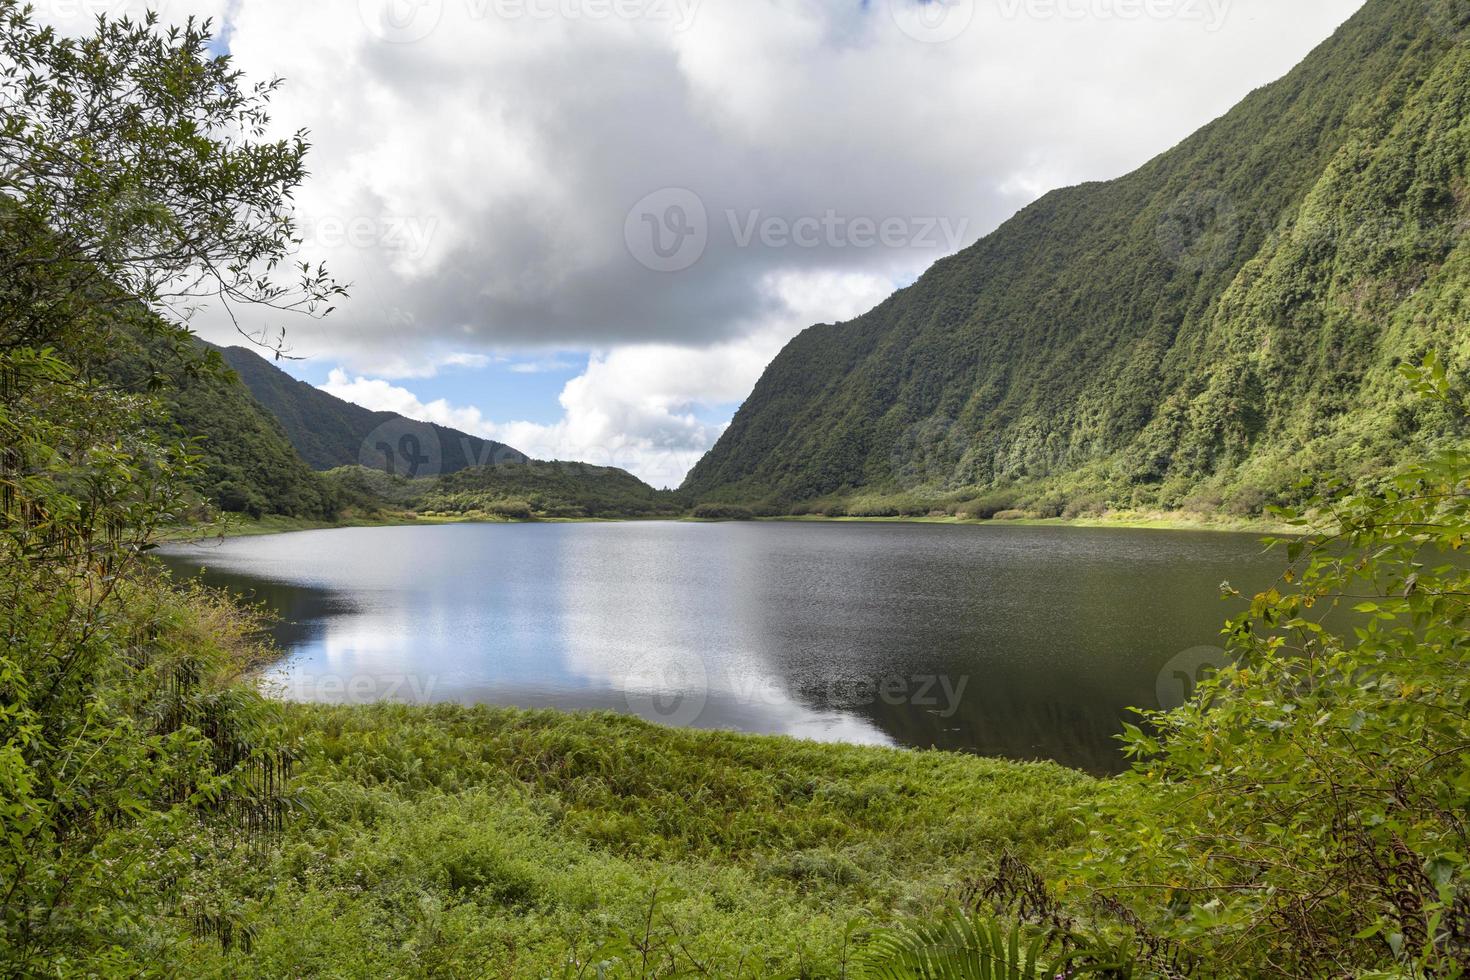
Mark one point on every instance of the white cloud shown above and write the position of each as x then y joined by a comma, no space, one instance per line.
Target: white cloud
475,184
417,364
475,161
545,366
79,17
637,407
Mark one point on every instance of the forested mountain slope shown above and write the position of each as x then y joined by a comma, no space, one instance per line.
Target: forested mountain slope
245,462
1197,332
329,432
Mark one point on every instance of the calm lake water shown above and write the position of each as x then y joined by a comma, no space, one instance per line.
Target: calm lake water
1020,642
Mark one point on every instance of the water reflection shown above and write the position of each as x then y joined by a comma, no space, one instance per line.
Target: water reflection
1017,642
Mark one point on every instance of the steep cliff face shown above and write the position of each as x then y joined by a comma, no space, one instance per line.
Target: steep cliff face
1205,327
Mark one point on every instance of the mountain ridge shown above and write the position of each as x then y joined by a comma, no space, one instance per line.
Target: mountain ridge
330,432
1173,335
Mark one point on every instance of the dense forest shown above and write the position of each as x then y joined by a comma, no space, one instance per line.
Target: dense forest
511,491
246,464
1193,335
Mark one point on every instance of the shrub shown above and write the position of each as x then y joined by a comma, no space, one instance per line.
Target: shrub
1084,507
899,505
985,508
1248,501
1204,502
872,507
516,510
1051,506
1303,813
723,512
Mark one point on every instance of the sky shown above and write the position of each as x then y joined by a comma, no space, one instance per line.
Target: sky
584,227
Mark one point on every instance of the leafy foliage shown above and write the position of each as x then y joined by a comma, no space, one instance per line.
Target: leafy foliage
470,841
964,946
1306,812
1199,332
132,182
557,489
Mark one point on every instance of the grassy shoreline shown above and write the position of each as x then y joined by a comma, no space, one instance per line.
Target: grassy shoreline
503,842
238,526
1126,520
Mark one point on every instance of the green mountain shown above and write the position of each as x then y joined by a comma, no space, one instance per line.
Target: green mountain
1196,333
329,432
526,490
246,463
379,461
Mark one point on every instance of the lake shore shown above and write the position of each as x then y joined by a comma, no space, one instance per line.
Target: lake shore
527,839
1135,520
240,526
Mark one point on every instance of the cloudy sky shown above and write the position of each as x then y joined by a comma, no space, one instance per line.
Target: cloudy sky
583,227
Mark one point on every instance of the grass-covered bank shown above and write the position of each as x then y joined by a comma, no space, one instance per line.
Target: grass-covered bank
1148,520
492,842
243,525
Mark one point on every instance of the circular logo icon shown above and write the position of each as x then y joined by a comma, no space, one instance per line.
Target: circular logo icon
674,696
402,447
400,21
932,21
1182,674
668,230
1449,18
1200,230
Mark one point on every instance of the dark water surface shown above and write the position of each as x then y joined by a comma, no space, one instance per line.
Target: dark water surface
1021,642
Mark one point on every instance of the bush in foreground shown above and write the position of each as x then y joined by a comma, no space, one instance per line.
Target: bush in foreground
1305,813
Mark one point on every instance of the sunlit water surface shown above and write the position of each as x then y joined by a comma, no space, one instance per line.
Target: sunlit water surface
1021,642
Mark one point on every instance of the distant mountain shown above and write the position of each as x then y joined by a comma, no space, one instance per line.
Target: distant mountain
1197,333
545,490
329,432
375,461
246,463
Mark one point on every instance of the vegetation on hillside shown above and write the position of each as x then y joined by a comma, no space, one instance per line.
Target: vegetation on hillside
245,464
330,433
547,489
137,180
532,490
1193,335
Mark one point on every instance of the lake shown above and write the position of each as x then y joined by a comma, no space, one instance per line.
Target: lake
1011,641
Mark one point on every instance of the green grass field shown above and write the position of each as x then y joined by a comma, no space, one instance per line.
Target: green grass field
448,841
